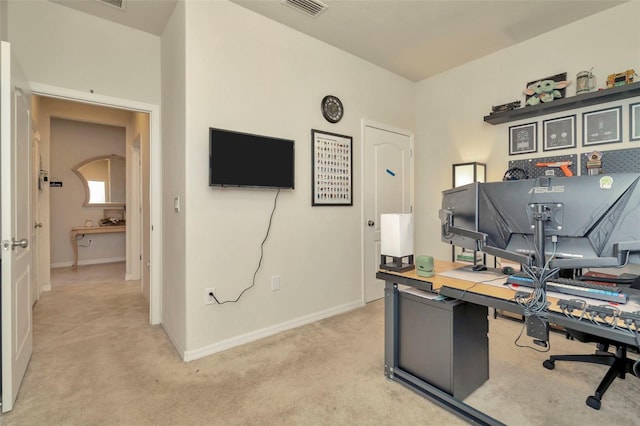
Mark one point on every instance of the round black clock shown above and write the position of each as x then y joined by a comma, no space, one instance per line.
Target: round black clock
332,109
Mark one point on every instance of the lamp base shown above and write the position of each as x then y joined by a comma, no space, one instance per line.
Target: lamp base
396,265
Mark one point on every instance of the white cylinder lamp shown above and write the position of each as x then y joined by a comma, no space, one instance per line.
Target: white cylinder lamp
396,241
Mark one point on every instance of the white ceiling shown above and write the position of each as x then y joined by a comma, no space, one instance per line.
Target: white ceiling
150,16
415,39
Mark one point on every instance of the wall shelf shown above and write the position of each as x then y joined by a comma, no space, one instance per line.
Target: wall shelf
572,102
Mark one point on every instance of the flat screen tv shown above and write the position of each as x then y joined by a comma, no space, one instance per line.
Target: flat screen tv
246,160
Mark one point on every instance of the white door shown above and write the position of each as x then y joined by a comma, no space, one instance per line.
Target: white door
37,225
388,177
16,225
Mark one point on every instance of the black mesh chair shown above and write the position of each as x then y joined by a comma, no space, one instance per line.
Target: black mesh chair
618,362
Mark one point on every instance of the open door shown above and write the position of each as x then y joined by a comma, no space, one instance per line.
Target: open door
16,219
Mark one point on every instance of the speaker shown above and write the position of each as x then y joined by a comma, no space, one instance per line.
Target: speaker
425,266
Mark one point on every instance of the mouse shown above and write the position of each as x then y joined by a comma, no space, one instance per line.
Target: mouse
508,270
479,268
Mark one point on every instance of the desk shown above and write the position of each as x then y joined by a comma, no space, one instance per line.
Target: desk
82,230
476,293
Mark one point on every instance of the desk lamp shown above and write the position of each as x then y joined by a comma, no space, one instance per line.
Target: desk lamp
396,241
463,174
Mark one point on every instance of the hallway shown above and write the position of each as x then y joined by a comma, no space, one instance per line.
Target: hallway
91,339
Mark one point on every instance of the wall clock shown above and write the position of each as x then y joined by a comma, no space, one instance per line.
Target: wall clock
332,109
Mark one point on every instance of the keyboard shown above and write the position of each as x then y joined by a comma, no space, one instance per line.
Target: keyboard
574,288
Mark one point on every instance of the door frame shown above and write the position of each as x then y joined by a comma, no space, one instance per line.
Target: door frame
155,160
363,220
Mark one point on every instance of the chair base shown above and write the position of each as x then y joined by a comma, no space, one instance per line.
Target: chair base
619,366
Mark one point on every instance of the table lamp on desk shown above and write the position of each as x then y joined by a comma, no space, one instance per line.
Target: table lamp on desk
396,241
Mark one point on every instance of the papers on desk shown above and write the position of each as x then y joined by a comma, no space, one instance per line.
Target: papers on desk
490,276
419,293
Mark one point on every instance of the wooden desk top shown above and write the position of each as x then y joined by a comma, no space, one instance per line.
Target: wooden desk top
98,229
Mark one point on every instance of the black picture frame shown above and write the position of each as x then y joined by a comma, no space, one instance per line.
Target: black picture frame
634,122
523,138
332,169
559,133
602,126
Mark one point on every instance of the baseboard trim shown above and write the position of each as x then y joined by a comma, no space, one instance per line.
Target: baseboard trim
173,340
269,331
89,262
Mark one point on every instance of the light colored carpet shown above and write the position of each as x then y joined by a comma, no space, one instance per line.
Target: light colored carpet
96,361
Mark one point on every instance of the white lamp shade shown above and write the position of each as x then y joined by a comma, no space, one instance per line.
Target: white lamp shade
396,235
464,173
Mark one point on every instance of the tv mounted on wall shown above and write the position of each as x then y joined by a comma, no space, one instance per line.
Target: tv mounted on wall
246,160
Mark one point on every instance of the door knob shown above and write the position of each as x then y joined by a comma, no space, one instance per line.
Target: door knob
22,243
38,225
371,223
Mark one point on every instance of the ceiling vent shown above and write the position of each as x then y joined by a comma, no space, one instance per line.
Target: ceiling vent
312,8
118,4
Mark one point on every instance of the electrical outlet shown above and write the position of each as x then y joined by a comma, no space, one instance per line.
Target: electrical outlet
275,283
208,298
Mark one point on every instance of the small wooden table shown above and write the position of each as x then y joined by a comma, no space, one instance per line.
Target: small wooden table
82,230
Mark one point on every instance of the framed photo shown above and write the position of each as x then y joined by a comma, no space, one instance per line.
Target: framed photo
559,133
332,169
523,138
602,126
634,122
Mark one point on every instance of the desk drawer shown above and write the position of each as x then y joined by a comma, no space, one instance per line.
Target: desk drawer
444,343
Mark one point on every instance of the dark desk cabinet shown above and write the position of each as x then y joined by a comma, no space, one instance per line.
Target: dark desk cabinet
444,343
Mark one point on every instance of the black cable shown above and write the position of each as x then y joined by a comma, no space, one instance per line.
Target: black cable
515,342
253,281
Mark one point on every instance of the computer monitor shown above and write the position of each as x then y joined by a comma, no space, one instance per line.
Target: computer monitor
584,221
460,206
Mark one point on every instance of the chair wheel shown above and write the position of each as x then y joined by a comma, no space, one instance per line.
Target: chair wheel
593,402
548,364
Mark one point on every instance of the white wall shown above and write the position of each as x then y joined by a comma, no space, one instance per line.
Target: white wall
248,73
173,178
450,106
63,47
3,20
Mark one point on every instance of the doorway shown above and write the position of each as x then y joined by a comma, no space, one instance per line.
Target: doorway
142,211
88,187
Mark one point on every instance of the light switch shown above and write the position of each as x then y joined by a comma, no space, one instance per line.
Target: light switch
176,204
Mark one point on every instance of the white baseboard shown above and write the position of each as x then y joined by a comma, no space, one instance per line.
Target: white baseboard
173,339
46,287
89,262
269,331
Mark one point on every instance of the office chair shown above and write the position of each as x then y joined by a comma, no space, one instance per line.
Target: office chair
618,362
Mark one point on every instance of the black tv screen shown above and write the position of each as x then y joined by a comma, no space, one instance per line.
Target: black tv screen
242,159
